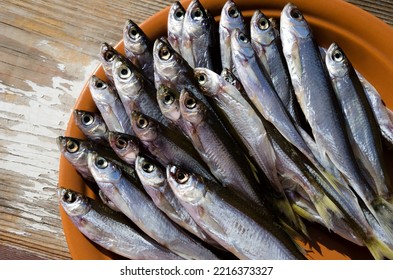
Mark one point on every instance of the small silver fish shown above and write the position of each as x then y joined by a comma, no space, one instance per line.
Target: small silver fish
197,43
217,148
107,57
153,178
228,221
167,146
109,104
362,125
175,25
231,18
109,230
138,48
267,45
136,92
136,205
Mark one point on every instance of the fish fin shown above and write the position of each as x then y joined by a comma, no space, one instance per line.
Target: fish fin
379,249
384,213
328,211
214,226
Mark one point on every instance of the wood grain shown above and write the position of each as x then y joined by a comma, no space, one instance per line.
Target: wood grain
47,51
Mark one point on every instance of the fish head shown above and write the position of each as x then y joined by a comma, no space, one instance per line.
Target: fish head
107,57
228,76
149,172
89,121
101,91
135,40
293,23
84,118
188,187
145,128
261,29
102,169
336,61
176,16
73,203
167,61
242,49
125,76
168,101
124,145
74,150
231,16
192,110
195,18
208,81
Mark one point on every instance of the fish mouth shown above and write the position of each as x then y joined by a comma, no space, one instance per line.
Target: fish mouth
61,143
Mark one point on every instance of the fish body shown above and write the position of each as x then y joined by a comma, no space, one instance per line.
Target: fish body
217,148
228,222
109,230
362,125
261,92
267,45
137,206
317,99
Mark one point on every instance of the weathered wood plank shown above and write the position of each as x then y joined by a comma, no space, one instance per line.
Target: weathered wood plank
48,49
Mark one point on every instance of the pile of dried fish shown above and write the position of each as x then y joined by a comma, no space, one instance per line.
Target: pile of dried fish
220,139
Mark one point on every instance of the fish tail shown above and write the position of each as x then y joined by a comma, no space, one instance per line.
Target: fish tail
379,249
328,211
286,208
384,214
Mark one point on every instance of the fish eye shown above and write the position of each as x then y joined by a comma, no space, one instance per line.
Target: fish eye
181,177
72,146
233,12
109,56
263,23
101,162
243,38
296,14
338,56
87,119
201,78
148,167
121,143
134,33
190,103
100,85
197,14
69,197
165,53
142,123
179,14
124,72
168,98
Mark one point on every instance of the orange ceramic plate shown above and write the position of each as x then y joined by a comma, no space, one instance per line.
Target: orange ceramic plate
365,39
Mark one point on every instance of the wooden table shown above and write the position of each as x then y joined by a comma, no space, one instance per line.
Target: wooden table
48,49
